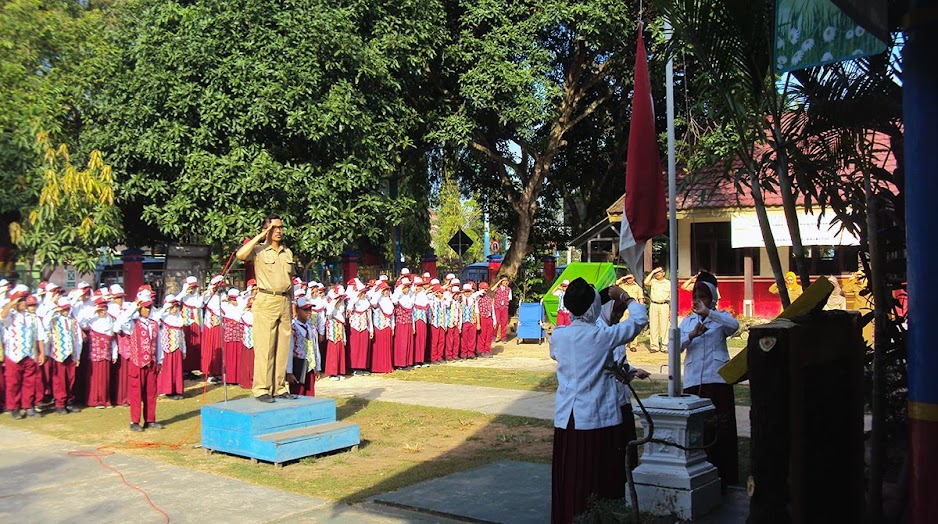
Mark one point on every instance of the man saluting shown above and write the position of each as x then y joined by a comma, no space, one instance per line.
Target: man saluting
273,270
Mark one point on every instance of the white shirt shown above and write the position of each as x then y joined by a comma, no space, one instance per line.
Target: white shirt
582,351
707,353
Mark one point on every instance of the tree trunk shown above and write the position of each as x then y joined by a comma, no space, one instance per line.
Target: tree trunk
519,247
767,237
788,203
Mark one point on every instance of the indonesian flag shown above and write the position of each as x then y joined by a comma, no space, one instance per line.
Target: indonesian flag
645,213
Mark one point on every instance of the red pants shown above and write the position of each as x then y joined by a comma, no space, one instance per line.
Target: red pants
436,343
43,380
468,348
21,383
485,336
501,318
452,343
420,342
142,388
99,383
63,382
169,381
359,342
563,318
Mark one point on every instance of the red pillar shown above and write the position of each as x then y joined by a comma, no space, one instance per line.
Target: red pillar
550,269
428,264
133,271
495,263
349,266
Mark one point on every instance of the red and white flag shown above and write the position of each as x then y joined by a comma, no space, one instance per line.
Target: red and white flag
646,212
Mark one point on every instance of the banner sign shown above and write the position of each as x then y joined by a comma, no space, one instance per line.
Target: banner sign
809,33
746,231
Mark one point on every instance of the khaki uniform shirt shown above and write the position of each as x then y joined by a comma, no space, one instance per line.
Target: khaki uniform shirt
273,269
634,290
659,290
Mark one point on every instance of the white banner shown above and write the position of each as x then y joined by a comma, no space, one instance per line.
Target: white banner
746,231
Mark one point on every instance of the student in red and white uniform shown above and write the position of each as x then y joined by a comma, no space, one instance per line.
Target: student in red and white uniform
453,311
43,371
336,337
118,308
83,309
383,324
468,323
403,355
361,330
305,362
421,322
436,314
234,338
317,315
172,344
23,353
563,316
145,363
191,302
246,371
211,331
103,354
485,312
502,300
63,342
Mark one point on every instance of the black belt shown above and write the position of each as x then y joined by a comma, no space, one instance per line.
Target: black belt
269,292
656,302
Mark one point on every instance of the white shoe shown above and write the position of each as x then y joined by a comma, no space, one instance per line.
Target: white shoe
334,378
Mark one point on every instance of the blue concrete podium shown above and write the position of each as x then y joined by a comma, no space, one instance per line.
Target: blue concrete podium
279,432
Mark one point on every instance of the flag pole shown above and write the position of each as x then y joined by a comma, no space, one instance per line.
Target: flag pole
674,340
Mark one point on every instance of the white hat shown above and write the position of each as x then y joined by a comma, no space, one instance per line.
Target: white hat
456,281
382,277
170,299
467,287
434,282
405,271
63,303
304,303
84,285
192,281
455,289
4,282
565,283
404,281
50,288
19,290
450,276
233,292
144,296
116,290
418,281
426,275
297,292
217,279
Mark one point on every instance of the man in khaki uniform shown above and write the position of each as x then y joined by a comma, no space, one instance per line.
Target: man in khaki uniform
659,311
273,322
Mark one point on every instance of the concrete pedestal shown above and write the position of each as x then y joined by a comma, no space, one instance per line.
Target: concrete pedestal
671,481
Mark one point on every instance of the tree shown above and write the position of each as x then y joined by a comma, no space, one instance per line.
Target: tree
217,113
516,81
76,216
452,214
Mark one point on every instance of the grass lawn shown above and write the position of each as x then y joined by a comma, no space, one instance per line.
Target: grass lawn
526,380
401,444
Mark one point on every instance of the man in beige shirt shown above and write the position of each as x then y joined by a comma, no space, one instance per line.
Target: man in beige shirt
659,311
273,271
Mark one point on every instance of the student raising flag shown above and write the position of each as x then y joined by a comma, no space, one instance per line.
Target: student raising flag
645,207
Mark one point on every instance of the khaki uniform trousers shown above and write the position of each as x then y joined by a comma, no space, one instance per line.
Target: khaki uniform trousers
659,322
272,328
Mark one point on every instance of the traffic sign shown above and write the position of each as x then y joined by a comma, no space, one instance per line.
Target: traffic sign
460,242
494,246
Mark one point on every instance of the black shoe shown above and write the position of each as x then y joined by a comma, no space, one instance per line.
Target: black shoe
136,427
265,398
17,414
288,396
176,397
31,413
61,411
154,425
73,409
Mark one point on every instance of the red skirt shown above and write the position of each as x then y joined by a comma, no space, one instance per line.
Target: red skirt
381,351
358,348
169,381
99,382
232,361
308,387
585,462
119,379
246,371
403,345
421,340
193,360
211,351
335,359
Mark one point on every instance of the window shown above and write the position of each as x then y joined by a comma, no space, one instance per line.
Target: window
828,260
712,250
